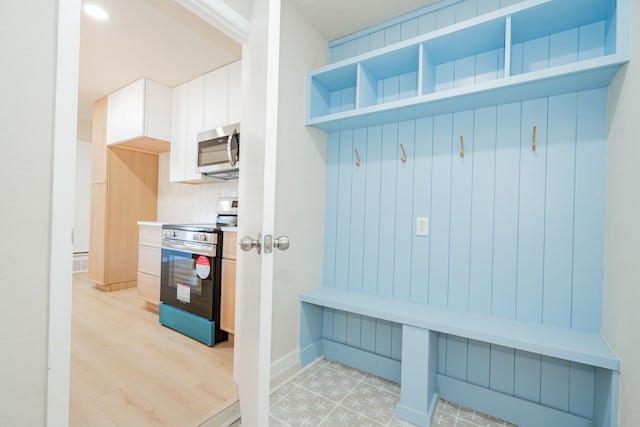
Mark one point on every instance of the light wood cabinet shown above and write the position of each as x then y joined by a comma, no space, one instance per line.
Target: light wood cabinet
139,117
228,300
149,265
125,193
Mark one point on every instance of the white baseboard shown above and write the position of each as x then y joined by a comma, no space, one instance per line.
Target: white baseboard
284,368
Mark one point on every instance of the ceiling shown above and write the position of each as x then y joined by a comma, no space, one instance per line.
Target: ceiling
337,18
161,40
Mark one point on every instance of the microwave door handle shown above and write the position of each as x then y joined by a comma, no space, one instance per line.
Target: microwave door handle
232,160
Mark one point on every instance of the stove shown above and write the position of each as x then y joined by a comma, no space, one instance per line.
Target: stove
190,275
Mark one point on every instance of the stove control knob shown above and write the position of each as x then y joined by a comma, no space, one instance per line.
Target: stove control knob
169,233
200,237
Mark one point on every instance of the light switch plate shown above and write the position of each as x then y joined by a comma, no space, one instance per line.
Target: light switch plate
422,226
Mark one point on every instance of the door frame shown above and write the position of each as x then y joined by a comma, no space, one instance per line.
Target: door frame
217,14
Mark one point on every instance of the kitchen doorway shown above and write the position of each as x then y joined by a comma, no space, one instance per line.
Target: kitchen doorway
106,376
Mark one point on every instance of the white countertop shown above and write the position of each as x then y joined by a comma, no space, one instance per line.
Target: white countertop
230,229
151,223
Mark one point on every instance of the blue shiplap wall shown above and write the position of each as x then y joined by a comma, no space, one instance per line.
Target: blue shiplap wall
425,20
514,233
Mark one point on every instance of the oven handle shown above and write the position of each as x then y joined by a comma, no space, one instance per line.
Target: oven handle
188,249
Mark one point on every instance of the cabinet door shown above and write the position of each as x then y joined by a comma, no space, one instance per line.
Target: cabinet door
229,244
133,109
157,109
115,116
216,95
99,142
178,133
228,300
235,105
97,233
195,103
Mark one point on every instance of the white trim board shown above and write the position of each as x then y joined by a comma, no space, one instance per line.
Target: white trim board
62,200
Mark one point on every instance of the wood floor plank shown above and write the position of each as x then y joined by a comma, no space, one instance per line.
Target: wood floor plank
127,369
83,411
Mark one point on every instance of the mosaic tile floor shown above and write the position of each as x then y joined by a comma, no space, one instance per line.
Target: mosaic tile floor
331,394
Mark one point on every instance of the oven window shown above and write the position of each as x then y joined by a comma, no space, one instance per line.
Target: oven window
182,270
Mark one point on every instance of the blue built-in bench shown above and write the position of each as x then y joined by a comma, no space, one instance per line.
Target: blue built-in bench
421,385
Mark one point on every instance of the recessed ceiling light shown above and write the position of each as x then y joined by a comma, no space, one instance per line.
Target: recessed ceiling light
96,12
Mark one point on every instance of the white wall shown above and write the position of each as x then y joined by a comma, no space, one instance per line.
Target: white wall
27,37
82,197
300,180
621,293
189,203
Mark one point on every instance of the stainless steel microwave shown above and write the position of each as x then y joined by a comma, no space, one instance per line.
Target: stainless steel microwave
219,152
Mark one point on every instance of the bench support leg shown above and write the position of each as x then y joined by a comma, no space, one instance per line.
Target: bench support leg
418,387
310,333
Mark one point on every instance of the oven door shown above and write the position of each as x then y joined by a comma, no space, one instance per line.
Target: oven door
187,281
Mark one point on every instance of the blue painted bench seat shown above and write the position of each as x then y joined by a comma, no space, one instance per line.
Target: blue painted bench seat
420,326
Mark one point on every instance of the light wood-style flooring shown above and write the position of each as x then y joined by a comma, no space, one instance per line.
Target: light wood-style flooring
128,370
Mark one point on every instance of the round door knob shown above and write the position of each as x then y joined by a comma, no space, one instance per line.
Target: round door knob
281,243
247,243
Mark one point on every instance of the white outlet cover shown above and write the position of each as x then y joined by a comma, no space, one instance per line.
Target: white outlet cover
422,226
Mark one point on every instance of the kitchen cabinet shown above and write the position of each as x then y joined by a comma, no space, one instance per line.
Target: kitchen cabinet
139,117
235,98
149,256
186,122
228,292
124,191
204,103
216,98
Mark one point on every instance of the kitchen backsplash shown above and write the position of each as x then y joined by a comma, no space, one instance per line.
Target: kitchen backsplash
188,203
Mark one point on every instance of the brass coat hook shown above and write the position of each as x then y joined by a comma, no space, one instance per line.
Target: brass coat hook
533,140
404,154
461,146
357,157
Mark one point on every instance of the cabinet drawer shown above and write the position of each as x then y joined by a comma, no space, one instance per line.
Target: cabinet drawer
229,245
149,260
149,235
149,288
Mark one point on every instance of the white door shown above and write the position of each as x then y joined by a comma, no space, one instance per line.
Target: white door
252,353
281,192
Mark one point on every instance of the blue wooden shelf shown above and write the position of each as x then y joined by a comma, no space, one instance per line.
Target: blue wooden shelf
563,343
532,49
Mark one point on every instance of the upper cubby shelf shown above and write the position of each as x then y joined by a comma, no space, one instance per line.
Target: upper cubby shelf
532,49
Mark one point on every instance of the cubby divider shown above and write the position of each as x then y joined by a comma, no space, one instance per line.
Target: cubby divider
389,77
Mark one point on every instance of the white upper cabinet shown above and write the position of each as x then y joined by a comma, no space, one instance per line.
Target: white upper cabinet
137,111
235,98
178,132
216,98
207,102
187,113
